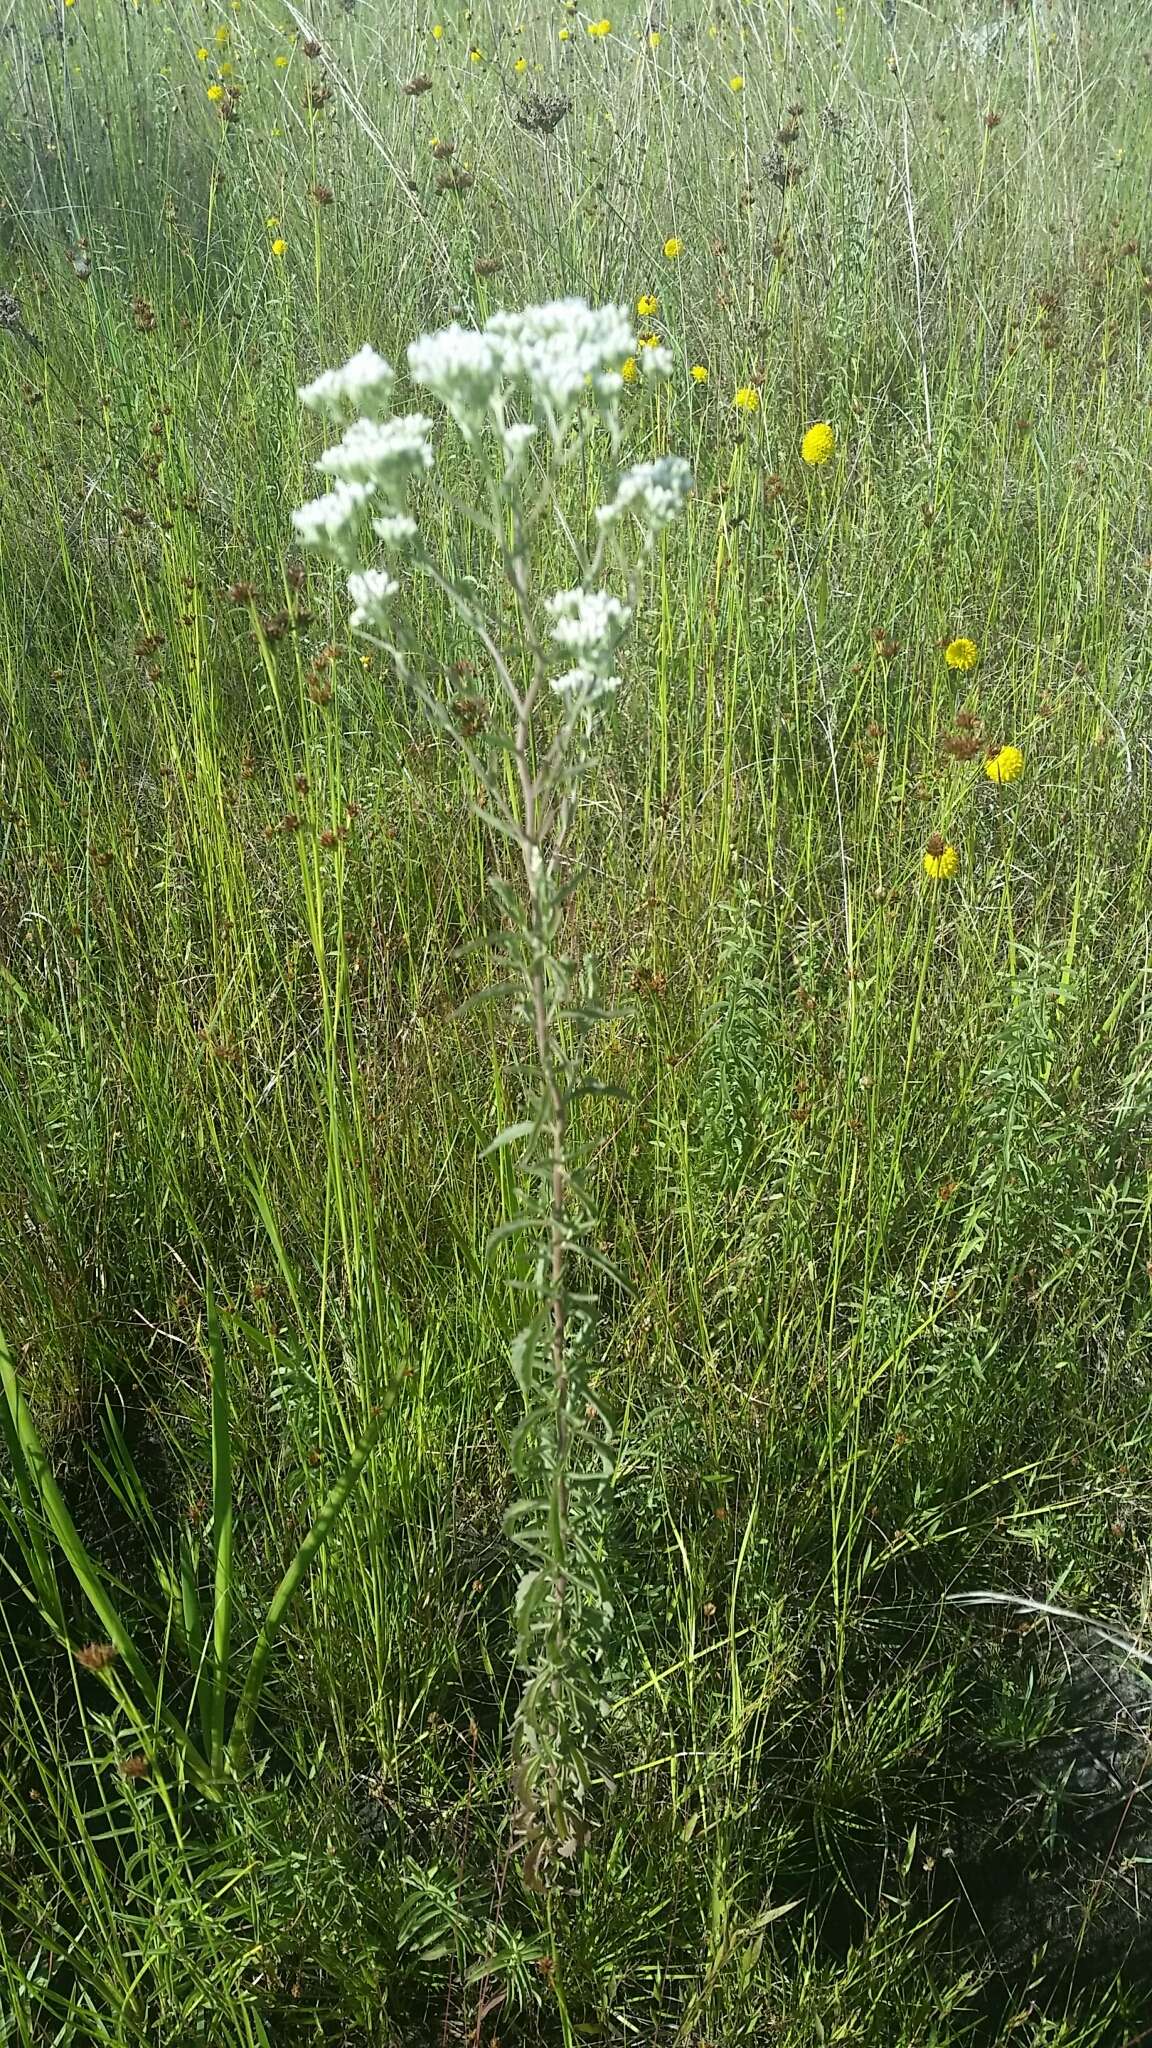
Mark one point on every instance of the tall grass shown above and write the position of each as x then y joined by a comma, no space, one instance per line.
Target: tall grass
879,1184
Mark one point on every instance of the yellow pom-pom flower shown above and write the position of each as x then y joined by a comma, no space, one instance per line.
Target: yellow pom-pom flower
819,444
673,248
438,32
747,399
940,860
215,92
599,29
1004,765
279,246
521,64
629,369
962,653
699,373
647,305
735,83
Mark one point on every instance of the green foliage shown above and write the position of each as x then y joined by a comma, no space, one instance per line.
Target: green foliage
872,1196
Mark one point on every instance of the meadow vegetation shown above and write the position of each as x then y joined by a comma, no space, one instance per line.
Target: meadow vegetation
863,858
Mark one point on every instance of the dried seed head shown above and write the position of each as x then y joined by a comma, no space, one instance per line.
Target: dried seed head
97,1656
541,113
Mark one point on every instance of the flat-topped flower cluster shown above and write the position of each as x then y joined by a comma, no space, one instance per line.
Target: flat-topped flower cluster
539,372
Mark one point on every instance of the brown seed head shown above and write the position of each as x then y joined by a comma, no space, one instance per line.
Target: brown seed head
97,1656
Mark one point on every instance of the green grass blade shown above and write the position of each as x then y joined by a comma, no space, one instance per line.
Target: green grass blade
221,1533
282,1598
85,1571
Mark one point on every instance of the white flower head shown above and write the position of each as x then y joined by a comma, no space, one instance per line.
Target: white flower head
363,384
517,438
463,368
654,492
583,686
383,453
330,523
565,351
396,530
370,591
589,626
655,363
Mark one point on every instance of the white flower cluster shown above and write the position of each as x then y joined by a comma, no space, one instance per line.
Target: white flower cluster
553,359
383,453
588,624
396,529
462,367
331,523
654,492
370,590
363,384
373,460
558,354
561,350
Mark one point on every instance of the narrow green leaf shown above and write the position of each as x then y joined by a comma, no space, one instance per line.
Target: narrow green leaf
282,1598
87,1573
221,1532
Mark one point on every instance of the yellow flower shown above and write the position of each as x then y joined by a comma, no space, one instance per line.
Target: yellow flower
280,61
747,399
940,860
563,36
279,246
647,305
273,221
653,39
201,56
699,373
962,653
215,92
1004,765
648,341
224,70
735,83
673,248
819,443
599,29
223,33
477,56
521,64
629,370
438,32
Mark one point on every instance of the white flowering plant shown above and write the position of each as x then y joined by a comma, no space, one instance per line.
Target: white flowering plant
526,393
